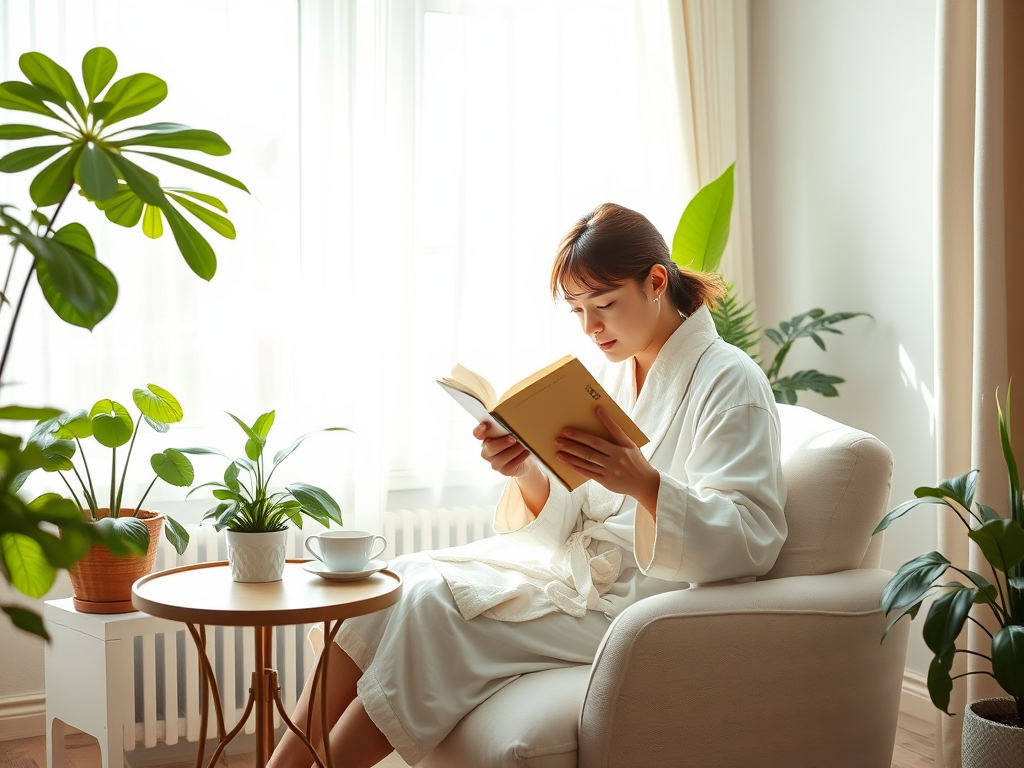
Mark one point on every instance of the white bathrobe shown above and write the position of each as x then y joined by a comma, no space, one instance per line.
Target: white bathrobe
541,595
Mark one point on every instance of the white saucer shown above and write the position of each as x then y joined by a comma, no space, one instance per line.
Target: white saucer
315,566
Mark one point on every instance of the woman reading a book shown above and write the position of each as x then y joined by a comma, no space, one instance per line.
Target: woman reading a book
701,502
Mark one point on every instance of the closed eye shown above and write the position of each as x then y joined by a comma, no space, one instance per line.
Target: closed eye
606,306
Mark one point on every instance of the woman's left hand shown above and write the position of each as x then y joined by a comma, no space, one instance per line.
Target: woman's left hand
618,466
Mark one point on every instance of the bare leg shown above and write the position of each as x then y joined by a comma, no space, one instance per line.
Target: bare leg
340,689
355,741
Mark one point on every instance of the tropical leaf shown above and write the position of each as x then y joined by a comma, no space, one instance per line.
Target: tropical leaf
735,323
158,404
133,95
785,389
23,97
197,168
95,173
317,500
184,138
27,620
52,184
174,468
23,159
98,67
112,425
26,565
47,75
703,229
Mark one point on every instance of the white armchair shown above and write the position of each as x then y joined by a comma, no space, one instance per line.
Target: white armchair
785,671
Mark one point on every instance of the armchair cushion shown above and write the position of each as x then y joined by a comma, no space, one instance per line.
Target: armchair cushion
532,722
837,481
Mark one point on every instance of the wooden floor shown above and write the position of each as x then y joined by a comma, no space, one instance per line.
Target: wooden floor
914,749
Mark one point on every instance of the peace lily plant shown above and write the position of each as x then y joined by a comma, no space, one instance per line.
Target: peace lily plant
698,244
1001,541
86,151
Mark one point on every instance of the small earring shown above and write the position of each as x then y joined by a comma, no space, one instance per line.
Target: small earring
655,299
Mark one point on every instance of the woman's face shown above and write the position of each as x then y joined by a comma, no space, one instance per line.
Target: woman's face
620,320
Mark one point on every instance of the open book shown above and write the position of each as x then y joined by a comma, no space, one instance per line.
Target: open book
538,408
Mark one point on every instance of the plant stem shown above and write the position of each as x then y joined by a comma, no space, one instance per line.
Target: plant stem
10,270
92,490
120,488
139,505
113,480
973,653
24,290
72,490
976,672
89,496
971,618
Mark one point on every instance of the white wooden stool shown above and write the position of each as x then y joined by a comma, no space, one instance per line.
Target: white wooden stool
90,677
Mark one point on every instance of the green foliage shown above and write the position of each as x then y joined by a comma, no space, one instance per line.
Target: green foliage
59,439
703,229
735,324
247,504
1001,541
85,148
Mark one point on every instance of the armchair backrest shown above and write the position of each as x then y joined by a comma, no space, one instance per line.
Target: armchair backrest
837,480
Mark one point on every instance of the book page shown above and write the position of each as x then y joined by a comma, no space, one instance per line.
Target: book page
473,384
534,378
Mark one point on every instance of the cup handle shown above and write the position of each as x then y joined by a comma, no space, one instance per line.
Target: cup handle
383,546
310,549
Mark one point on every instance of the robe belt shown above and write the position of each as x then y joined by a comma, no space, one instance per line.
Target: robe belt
592,574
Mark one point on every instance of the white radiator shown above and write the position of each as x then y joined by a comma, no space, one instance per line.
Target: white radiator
166,664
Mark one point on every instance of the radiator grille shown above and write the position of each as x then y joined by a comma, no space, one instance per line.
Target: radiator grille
166,664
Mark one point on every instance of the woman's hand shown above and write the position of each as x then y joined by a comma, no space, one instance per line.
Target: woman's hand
618,466
503,453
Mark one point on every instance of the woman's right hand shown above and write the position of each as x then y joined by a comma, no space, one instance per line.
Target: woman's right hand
502,452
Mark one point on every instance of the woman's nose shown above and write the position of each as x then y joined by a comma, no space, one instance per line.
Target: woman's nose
591,325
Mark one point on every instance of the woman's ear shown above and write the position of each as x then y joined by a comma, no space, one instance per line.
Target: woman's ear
659,279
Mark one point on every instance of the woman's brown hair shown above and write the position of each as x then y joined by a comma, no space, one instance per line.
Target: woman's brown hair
612,244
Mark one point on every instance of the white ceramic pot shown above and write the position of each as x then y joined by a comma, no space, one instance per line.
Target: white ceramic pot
256,557
989,741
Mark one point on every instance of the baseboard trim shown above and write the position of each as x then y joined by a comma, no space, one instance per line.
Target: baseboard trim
22,717
914,699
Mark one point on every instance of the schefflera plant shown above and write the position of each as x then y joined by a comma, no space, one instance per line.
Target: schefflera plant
112,426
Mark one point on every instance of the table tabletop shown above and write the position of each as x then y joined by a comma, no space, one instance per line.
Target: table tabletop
204,593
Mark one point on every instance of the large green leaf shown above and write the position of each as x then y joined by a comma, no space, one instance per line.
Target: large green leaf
176,534
23,159
1008,659
26,565
123,535
142,182
1002,543
78,288
194,247
703,229
214,221
95,173
961,489
76,236
16,131
125,208
98,68
26,413
897,512
186,138
912,580
23,97
197,168
203,197
64,426
264,423
173,467
940,682
30,621
133,95
316,500
946,618
112,425
255,441
57,456
158,404
52,184
46,74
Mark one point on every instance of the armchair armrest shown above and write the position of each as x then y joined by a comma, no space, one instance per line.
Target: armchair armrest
786,672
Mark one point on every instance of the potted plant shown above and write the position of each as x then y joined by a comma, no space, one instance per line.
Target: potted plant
127,536
85,149
257,518
993,728
698,243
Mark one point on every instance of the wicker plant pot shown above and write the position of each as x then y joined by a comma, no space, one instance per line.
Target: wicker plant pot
103,582
992,737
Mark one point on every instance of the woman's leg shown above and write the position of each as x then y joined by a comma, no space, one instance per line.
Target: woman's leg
355,741
342,676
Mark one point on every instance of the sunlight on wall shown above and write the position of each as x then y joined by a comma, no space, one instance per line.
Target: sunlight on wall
908,372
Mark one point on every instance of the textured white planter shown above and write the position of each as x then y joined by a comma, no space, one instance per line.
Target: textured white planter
988,742
256,557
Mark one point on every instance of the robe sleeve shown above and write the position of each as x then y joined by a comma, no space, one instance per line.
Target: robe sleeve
727,521
558,518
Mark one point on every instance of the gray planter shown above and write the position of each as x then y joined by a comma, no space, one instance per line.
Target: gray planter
988,741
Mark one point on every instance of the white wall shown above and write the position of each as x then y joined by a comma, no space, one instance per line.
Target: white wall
841,112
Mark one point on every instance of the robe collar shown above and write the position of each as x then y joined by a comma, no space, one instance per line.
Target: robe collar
661,397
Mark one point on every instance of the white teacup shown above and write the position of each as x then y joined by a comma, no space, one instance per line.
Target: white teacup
345,551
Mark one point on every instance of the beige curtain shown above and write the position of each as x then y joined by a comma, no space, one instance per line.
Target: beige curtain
979,314
710,45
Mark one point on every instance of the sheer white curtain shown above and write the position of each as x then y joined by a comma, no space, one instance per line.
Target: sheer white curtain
414,165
